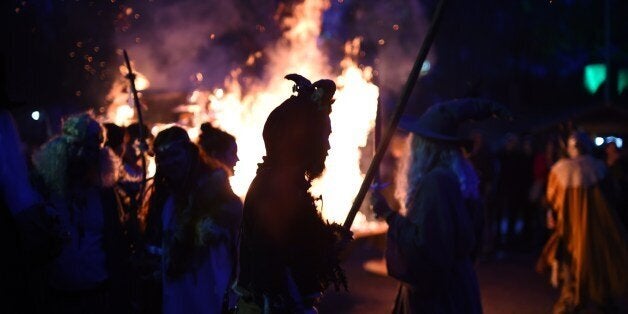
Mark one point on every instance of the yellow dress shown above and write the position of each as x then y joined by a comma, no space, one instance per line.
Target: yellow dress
589,243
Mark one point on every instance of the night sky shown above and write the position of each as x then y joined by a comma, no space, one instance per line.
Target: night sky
62,56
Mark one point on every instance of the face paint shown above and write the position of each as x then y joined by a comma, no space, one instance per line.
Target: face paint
172,161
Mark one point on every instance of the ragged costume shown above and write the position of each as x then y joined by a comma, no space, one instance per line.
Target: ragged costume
289,255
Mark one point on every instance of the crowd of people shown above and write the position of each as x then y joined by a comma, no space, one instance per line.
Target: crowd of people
87,232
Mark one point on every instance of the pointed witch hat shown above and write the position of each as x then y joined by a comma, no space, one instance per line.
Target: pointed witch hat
441,121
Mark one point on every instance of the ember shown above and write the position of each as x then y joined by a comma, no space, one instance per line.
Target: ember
242,110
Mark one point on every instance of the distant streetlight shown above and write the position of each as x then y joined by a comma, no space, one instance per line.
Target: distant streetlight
599,141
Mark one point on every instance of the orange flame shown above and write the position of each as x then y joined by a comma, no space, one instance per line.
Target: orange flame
243,114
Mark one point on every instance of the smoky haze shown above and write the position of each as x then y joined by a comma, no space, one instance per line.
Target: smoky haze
171,41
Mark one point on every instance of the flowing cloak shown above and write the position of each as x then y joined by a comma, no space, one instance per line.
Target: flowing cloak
429,250
283,232
214,214
588,237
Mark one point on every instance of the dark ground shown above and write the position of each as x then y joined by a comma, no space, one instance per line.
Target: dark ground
508,284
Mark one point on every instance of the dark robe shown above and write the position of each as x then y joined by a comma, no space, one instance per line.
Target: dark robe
430,250
285,242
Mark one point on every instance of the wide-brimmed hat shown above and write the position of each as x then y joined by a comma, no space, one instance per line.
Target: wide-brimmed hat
441,121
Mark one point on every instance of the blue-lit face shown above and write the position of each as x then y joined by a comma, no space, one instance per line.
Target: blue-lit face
172,161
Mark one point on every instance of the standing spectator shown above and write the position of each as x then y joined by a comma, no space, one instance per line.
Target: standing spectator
76,175
192,224
288,254
432,248
115,138
132,160
17,209
588,252
513,185
543,161
485,164
617,164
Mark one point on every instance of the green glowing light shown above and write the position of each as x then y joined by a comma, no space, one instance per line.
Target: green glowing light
622,80
594,76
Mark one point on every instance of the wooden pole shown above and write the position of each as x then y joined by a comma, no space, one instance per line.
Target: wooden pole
405,95
143,145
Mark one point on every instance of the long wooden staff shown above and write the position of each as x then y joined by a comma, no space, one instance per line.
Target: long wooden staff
383,145
143,145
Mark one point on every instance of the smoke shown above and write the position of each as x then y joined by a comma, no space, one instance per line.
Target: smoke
171,41
392,32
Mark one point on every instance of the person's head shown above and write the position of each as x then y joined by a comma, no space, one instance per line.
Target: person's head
85,137
175,155
76,157
115,138
133,139
435,142
579,144
219,145
296,133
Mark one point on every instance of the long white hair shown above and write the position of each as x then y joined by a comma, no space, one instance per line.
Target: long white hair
421,157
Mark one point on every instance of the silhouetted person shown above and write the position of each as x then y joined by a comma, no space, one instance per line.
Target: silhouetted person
588,251
543,161
132,156
115,138
432,248
617,164
219,145
288,254
513,183
192,225
485,164
22,259
77,175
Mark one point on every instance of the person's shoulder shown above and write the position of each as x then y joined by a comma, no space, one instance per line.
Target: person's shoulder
579,171
561,163
212,182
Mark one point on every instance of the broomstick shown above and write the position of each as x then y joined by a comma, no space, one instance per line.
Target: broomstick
405,95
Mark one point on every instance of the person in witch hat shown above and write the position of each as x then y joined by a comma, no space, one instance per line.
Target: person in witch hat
431,249
288,254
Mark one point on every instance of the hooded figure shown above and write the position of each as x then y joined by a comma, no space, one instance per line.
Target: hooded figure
431,249
288,254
